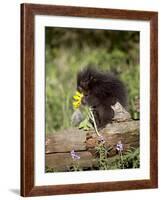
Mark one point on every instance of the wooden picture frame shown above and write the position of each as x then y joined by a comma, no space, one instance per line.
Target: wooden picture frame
28,12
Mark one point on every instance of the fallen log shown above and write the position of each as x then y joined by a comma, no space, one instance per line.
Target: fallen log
60,144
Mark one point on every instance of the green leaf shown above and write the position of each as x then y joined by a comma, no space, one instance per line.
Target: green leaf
85,125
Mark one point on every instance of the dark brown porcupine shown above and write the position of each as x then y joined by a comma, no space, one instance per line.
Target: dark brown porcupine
101,90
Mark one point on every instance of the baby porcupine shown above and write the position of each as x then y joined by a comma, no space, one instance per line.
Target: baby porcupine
101,90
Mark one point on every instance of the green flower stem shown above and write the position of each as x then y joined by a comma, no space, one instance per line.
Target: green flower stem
94,122
121,158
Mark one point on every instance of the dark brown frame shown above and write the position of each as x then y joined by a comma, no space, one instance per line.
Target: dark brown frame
28,11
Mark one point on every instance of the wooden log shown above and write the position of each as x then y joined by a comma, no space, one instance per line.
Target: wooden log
59,145
63,161
66,140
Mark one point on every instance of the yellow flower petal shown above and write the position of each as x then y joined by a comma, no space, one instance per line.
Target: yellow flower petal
76,97
79,94
76,104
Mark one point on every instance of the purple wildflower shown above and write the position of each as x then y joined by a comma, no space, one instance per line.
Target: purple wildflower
119,147
74,155
101,139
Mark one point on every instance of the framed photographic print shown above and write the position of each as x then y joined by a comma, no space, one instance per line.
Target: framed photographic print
88,99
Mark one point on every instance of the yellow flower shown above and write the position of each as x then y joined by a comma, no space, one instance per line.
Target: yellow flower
77,99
